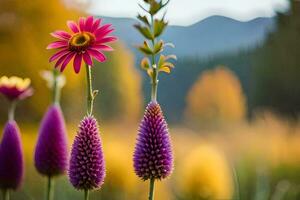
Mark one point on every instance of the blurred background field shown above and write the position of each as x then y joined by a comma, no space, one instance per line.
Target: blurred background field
232,103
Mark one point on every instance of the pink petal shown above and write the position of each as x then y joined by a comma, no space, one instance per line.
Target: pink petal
89,23
97,55
61,35
102,29
61,59
73,26
95,25
102,47
82,23
57,44
107,32
87,58
107,39
77,63
58,54
66,61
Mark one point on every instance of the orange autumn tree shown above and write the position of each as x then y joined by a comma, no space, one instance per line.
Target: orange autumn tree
216,97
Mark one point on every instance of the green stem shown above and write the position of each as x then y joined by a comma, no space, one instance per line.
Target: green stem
90,95
151,189
50,192
86,194
11,112
6,195
154,80
154,85
55,89
236,184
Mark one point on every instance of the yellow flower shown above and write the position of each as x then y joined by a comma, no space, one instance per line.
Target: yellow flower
15,88
205,175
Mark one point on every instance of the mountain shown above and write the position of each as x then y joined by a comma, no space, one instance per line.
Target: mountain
222,40
213,35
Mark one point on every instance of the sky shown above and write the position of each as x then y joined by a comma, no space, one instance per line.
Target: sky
187,12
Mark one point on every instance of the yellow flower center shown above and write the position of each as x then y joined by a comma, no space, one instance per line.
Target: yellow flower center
80,41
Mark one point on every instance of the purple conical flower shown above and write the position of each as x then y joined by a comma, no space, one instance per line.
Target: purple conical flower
87,166
51,153
11,157
153,158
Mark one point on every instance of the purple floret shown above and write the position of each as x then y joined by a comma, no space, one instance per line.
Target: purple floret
11,157
153,158
87,166
51,153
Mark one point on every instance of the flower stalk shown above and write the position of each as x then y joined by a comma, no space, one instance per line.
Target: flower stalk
56,89
91,94
50,192
6,195
146,168
151,189
154,84
12,109
86,194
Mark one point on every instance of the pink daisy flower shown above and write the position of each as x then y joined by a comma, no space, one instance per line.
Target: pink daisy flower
86,41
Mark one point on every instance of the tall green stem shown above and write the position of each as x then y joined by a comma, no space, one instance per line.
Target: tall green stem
151,189
11,112
55,89
90,95
50,192
6,195
154,83
154,80
86,194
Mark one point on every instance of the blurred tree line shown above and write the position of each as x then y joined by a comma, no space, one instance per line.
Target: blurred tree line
174,90
277,67
24,35
269,74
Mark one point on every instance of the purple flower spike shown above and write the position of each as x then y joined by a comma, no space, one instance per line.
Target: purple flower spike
11,157
153,158
51,152
87,166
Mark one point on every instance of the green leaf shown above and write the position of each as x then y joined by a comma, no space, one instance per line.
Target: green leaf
168,64
154,7
150,72
145,31
158,47
165,66
145,63
144,19
165,69
159,27
145,48
161,61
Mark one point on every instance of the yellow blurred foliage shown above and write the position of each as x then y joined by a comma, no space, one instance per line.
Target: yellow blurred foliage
120,173
205,175
119,83
216,96
201,169
24,35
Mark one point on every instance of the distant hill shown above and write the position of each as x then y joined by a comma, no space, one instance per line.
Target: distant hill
208,37
213,41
